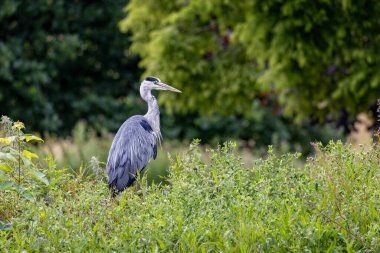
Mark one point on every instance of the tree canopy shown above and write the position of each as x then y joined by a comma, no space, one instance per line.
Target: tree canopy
61,62
318,57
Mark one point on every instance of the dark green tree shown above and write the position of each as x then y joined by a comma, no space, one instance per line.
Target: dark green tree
319,57
63,61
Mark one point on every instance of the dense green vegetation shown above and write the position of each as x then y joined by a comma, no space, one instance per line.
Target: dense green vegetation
63,61
318,57
212,203
253,73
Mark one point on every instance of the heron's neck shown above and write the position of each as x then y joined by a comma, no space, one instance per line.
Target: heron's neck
153,114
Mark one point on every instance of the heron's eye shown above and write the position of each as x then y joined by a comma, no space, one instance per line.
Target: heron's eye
156,82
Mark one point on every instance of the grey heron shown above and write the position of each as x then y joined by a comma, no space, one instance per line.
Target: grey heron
135,142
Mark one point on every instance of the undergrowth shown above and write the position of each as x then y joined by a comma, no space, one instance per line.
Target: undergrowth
20,175
212,204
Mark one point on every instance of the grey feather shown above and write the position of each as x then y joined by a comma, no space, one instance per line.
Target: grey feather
133,146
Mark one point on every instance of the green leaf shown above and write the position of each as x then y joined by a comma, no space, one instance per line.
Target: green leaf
11,186
39,176
7,156
30,137
7,186
27,162
27,195
18,125
5,167
7,140
29,154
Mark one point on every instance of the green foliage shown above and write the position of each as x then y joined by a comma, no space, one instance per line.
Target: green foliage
77,149
265,127
322,56
345,180
319,57
63,61
213,203
20,174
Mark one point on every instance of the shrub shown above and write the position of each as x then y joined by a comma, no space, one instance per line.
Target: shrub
214,203
20,175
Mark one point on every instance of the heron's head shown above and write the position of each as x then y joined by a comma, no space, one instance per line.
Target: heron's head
153,83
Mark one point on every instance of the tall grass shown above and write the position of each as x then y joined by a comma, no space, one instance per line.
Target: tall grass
214,204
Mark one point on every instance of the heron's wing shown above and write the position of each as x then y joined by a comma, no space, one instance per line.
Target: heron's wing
134,145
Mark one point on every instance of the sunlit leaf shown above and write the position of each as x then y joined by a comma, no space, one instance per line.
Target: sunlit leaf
18,125
29,154
7,140
30,137
5,167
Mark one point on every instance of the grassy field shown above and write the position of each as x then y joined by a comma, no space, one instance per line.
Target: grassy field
212,203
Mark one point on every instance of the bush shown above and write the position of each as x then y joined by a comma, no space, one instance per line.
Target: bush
213,203
20,175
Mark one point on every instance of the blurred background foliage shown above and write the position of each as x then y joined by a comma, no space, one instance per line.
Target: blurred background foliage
62,61
319,57
272,72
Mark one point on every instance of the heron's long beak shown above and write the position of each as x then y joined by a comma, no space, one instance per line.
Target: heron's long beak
163,86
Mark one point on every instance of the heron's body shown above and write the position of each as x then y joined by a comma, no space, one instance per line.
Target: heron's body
129,155
136,140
